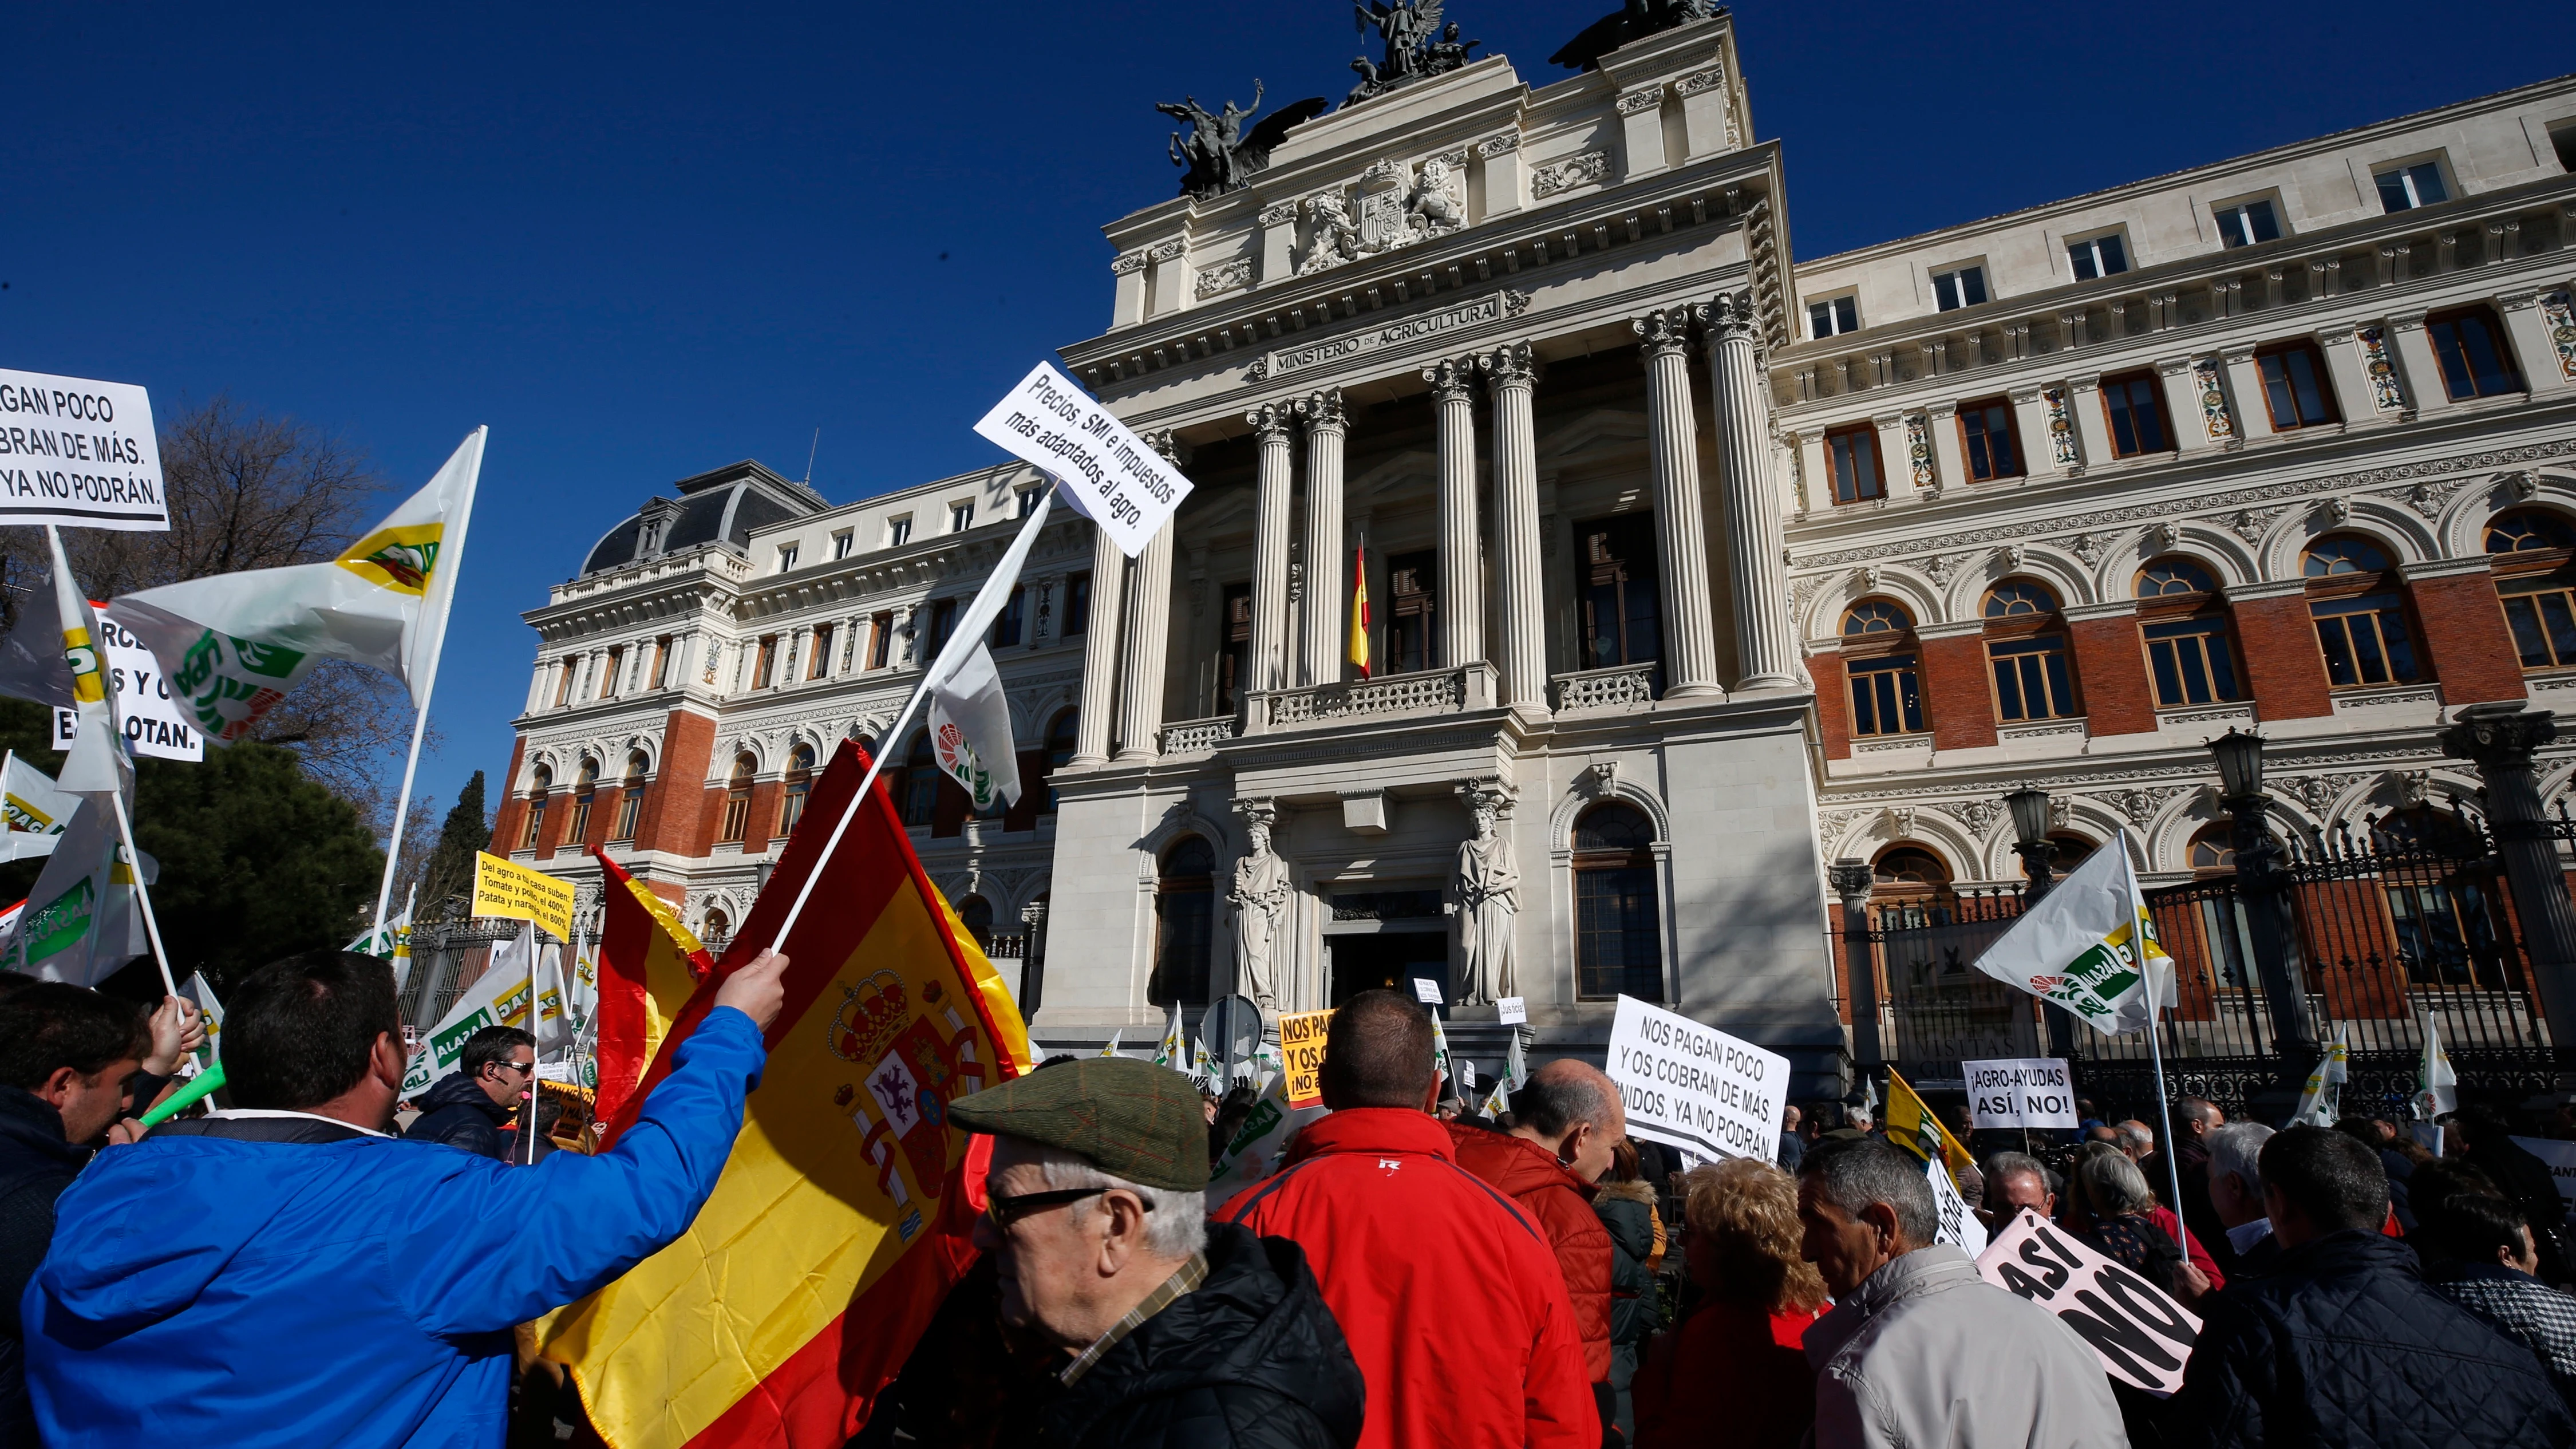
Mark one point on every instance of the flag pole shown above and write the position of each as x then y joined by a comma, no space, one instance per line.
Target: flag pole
2155,1049
142,894
453,558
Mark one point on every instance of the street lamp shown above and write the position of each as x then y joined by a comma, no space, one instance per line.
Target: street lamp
2240,763
2029,807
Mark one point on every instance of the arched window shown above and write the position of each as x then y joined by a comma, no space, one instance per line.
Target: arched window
1910,888
800,784
2066,850
630,802
976,914
737,816
1060,737
1618,940
1184,912
2531,550
920,791
2213,847
540,780
2360,613
585,789
2026,645
2183,622
1880,659
715,929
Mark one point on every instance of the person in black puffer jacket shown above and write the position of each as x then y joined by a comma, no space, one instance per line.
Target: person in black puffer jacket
2342,1343
1626,1206
466,1108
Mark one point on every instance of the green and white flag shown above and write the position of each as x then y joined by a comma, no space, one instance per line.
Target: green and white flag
1111,1050
1440,1051
970,732
80,922
30,800
498,997
1174,1051
197,989
2089,946
235,644
2437,1087
1515,1070
2321,1100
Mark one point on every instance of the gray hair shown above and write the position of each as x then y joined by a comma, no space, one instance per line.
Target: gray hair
1852,1174
2136,1134
2005,1165
2236,1150
1175,1222
2114,1184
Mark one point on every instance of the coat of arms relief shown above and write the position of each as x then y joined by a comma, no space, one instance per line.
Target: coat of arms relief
1391,206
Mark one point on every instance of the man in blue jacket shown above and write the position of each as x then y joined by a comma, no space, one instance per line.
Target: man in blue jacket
286,1273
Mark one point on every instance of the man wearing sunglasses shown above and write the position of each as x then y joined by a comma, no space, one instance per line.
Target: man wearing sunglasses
467,1106
1173,1331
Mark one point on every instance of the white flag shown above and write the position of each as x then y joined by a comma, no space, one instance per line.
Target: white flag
1173,1052
97,763
80,923
2321,1100
32,802
2089,945
197,989
233,645
2436,1085
1111,1050
1515,1070
498,997
1440,1049
970,732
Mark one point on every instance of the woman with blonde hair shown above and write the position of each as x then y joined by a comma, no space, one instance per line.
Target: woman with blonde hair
1734,1369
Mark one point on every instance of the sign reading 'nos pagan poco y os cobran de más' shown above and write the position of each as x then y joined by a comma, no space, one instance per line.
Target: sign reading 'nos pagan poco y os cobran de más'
1693,1086
79,453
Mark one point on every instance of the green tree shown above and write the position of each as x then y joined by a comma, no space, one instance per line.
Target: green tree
450,874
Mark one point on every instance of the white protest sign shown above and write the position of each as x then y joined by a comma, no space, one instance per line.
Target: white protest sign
2144,1338
1107,473
155,724
2561,1157
1466,1076
79,453
1428,992
2020,1092
1693,1086
1515,1010
1959,1227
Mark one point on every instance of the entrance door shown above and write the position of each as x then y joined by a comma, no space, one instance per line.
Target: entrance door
1389,959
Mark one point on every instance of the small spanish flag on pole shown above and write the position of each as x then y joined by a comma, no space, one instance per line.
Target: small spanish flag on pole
1359,611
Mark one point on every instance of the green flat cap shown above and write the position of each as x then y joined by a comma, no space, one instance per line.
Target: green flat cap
1129,1118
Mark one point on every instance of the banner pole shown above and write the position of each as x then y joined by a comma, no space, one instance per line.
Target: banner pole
142,893
452,559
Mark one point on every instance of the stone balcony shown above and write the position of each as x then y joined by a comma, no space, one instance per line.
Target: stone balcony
1617,689
1430,692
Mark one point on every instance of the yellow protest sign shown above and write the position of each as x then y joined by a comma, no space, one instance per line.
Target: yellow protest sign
506,888
1301,1051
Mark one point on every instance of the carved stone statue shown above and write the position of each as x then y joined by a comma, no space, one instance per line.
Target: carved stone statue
1334,238
1635,20
1432,207
1488,900
1403,27
1260,899
1369,84
1448,53
1219,155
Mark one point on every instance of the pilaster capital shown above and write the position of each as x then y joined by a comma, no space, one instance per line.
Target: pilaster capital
2023,397
1168,443
2089,382
1165,251
1641,100
1700,80
2407,321
1270,422
1729,317
1125,262
1279,213
2237,355
2173,366
2524,300
1322,410
2338,334
2499,736
1885,422
1942,411
1851,878
1514,364
1664,333
1501,144
1452,379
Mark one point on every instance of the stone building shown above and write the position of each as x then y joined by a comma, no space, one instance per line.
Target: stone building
1686,568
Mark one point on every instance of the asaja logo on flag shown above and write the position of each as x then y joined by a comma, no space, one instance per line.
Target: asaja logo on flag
400,558
225,682
59,924
82,656
2093,981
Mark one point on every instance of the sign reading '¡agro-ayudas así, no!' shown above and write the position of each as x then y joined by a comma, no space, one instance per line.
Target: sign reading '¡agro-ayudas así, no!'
78,453
1393,334
1695,1087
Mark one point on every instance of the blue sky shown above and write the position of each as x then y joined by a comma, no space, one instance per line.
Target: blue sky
641,241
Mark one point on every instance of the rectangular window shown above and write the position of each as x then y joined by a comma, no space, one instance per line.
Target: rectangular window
580,831
2295,391
610,678
786,557
1833,317
1622,622
2365,640
1617,947
2543,619
1886,696
1077,605
1965,287
1854,454
737,816
2190,661
2404,188
943,622
1028,501
1011,623
536,823
1411,579
961,516
821,662
2248,223
898,531
768,665
2097,256
662,662
1986,437
1234,648
880,640
2472,349
843,542
629,804
2135,404
2032,680
563,685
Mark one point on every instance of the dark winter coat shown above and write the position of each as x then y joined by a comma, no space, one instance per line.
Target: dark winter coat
2342,1343
1251,1359
2525,1178
1627,1209
36,1164
458,1113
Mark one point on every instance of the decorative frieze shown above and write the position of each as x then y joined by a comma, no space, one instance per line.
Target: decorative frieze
2213,400
2379,368
1225,277
1588,169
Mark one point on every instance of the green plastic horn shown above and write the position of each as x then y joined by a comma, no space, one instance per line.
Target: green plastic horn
206,1083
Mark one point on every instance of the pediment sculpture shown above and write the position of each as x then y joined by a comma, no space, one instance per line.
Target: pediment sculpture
1390,208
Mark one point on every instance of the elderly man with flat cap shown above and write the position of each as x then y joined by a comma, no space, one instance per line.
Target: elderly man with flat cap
1175,1331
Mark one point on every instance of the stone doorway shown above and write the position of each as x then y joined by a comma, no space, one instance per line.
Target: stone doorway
1389,959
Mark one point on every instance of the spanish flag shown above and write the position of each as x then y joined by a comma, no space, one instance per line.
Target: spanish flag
1911,1125
844,1211
649,967
1359,611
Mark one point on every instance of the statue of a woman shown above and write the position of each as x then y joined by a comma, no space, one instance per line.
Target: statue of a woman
1260,900
1488,899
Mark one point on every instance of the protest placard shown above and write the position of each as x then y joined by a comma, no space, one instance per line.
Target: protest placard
2561,1157
155,724
1301,1051
507,889
2019,1092
1107,473
1693,1086
1958,1226
1428,992
79,453
1512,1010
2144,1337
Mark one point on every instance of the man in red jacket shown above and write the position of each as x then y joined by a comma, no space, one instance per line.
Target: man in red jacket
1566,1122
1448,1294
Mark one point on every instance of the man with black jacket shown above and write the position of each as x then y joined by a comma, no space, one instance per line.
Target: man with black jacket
2523,1178
2342,1342
497,1069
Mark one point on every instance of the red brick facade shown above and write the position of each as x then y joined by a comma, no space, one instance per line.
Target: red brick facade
2111,676
2465,639
1958,700
1833,702
2279,644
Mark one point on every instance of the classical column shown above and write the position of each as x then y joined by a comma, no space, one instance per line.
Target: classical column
2501,738
1520,635
1462,583
1756,544
2245,380
1270,423
2092,424
1328,560
1100,650
1149,630
1681,538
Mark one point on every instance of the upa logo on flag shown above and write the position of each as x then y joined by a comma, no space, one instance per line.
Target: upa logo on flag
399,558
2094,980
963,764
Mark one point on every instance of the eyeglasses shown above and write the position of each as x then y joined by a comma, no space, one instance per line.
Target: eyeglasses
1009,1208
525,1069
